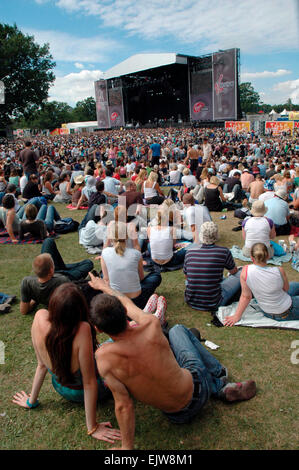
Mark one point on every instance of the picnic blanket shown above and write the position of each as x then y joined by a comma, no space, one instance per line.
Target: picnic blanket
253,317
6,240
171,185
72,208
277,260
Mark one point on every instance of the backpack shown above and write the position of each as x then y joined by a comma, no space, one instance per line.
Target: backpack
66,225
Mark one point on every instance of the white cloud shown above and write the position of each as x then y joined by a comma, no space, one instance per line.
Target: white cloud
253,26
70,48
78,65
289,89
265,74
74,87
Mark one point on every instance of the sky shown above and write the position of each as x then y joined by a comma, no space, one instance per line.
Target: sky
88,37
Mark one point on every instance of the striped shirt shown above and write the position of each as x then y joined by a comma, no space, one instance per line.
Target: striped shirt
204,270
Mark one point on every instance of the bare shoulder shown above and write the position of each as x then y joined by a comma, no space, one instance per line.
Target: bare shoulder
41,317
105,358
83,333
84,327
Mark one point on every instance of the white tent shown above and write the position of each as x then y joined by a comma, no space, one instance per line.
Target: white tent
284,113
272,112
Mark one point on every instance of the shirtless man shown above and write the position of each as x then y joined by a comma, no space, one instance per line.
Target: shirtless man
192,156
256,188
176,377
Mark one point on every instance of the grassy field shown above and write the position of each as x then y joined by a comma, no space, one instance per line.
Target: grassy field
269,421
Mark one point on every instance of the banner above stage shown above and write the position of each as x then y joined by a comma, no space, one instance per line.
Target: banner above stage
225,85
237,126
294,116
278,127
102,107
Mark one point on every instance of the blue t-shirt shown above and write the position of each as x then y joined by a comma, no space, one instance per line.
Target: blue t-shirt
156,150
278,210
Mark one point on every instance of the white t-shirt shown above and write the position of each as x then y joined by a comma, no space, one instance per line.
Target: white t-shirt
266,284
189,181
206,151
161,243
93,234
174,176
123,270
257,230
23,182
194,215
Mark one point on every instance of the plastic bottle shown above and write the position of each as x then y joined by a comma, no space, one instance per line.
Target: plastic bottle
295,260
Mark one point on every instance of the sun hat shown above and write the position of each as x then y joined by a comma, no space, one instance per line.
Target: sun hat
208,233
269,185
258,209
109,163
281,193
79,179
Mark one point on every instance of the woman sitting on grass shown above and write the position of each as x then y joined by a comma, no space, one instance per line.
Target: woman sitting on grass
38,223
123,267
64,343
278,299
153,194
162,239
9,218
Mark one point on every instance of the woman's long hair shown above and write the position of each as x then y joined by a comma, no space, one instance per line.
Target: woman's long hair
67,308
117,232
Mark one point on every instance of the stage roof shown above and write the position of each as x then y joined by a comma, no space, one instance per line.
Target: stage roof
139,62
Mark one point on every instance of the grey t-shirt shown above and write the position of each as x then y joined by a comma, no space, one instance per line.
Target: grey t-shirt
32,289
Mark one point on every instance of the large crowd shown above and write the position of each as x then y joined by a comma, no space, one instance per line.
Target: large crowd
147,198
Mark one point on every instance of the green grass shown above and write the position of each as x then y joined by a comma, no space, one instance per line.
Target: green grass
269,421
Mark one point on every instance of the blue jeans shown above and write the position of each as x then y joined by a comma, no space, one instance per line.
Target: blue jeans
74,271
148,287
205,369
48,215
229,288
176,260
90,215
36,201
294,309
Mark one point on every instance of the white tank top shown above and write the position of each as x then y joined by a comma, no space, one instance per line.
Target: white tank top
266,284
149,192
161,243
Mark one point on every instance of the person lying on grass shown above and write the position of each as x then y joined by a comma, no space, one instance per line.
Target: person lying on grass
64,342
177,377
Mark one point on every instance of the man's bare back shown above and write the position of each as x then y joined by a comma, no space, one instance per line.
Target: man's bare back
141,359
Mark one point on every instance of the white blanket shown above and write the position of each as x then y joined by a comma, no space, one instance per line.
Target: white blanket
254,317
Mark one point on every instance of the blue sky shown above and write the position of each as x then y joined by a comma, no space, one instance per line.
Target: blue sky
87,37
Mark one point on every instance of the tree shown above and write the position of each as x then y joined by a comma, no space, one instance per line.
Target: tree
85,110
25,69
49,116
249,98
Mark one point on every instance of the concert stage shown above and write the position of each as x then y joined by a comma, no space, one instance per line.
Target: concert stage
156,90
